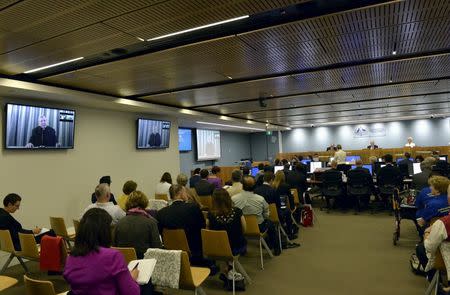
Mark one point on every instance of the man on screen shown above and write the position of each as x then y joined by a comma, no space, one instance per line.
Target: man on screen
42,135
155,138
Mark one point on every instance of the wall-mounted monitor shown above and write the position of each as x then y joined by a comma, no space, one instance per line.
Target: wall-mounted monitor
152,134
208,144
184,140
32,127
254,171
352,159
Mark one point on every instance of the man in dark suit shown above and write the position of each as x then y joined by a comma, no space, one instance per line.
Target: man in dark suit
372,145
43,135
420,180
203,187
389,174
155,138
195,178
183,215
406,166
332,148
360,177
333,186
297,178
266,191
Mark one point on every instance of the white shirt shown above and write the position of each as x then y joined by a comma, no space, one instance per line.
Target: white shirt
438,234
252,204
162,188
411,145
115,211
235,189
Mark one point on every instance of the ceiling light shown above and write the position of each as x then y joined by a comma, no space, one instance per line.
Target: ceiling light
198,28
229,77
141,39
53,65
390,81
288,128
394,52
231,126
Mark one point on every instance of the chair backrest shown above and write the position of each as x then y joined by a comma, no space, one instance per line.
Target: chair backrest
128,253
76,224
332,178
294,193
252,228
59,226
216,244
273,213
206,201
6,243
175,239
186,280
29,246
439,263
37,287
161,197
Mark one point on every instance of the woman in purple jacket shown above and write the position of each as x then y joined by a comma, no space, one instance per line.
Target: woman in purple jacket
214,179
94,268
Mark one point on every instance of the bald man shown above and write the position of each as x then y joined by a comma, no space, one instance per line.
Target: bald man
253,204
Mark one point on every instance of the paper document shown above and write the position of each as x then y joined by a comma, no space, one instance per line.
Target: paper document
145,267
43,230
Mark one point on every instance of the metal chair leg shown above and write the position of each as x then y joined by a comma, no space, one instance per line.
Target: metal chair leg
5,266
285,234
241,269
261,253
234,283
266,247
23,264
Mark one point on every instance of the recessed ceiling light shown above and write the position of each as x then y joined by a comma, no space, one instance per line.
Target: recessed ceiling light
394,52
53,65
199,28
231,126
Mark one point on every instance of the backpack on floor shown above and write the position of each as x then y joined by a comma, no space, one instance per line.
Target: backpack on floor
307,216
416,267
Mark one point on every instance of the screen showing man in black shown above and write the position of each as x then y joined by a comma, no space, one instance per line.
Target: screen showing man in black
155,138
42,135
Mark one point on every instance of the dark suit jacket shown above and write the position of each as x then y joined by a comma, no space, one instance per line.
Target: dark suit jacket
10,223
297,180
155,139
43,137
193,180
360,175
389,175
406,167
420,180
204,188
268,193
187,216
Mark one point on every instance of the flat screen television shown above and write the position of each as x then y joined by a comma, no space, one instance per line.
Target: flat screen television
352,158
152,134
184,139
208,144
34,127
254,171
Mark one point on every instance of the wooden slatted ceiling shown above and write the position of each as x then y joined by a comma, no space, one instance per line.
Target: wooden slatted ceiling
42,24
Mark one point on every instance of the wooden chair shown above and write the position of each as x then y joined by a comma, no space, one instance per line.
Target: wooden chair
206,201
128,253
252,231
59,227
175,239
192,277
216,246
439,266
273,216
6,245
37,287
6,282
30,249
161,197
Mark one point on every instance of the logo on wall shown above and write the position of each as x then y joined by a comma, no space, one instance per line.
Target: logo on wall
365,131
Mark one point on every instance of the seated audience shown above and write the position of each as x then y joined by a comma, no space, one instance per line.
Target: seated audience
107,180
284,195
245,171
277,162
389,175
410,143
360,176
332,147
138,229
128,187
11,203
192,195
266,190
297,178
93,268
419,159
163,186
103,194
224,216
340,156
406,165
236,186
195,177
372,145
214,179
260,174
333,180
436,201
253,204
420,180
204,187
184,215
315,158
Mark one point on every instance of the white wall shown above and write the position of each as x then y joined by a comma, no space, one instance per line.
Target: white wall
60,182
426,132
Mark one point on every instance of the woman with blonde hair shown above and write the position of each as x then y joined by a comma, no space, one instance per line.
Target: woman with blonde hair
436,200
